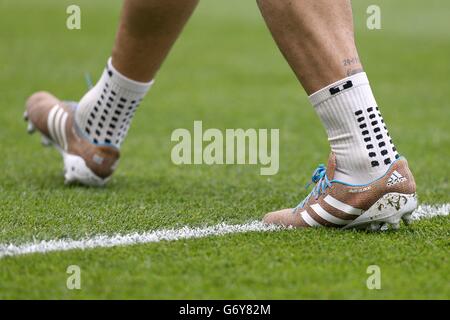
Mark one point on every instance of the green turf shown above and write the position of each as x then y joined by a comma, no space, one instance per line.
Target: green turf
226,71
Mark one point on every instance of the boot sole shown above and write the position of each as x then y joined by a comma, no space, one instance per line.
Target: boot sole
386,213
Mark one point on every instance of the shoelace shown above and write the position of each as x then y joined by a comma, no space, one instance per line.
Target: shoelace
322,182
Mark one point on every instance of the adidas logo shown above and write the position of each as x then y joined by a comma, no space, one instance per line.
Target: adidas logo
395,178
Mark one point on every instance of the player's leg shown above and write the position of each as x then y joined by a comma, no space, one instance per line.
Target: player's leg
315,37
365,171
147,31
89,134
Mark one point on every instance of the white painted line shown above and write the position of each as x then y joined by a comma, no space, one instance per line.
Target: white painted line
426,211
106,241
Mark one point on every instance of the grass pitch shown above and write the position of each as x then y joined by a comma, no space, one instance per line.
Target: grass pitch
226,71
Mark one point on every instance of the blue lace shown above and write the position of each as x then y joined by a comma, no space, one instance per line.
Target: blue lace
322,182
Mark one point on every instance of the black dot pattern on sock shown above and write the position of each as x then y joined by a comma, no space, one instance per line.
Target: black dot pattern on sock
368,121
111,114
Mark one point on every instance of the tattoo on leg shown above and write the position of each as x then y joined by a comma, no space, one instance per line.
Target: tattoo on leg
352,63
351,72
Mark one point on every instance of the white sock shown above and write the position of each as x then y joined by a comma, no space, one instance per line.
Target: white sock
356,130
104,113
